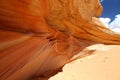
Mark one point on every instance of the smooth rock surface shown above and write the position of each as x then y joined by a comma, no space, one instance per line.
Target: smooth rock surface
103,65
38,37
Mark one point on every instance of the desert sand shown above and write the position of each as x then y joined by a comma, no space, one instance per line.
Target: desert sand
103,65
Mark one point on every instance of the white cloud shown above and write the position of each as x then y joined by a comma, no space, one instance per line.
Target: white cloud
116,22
114,25
105,21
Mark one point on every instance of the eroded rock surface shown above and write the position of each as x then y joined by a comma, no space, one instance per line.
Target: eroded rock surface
103,65
38,37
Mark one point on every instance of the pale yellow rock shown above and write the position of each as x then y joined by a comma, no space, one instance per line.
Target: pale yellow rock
103,65
38,37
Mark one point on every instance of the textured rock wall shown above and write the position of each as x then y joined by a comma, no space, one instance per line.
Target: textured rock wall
37,37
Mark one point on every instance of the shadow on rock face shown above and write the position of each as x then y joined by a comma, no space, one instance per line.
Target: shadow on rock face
37,38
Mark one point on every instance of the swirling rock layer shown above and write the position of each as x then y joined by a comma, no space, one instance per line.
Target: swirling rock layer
37,37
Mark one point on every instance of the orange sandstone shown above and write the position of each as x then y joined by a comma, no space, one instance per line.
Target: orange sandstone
38,37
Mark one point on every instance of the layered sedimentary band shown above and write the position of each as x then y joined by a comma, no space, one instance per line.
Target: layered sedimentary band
37,37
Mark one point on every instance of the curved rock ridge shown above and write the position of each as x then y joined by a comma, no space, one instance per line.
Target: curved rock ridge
38,37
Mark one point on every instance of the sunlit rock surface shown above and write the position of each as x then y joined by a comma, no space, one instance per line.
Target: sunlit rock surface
38,37
103,65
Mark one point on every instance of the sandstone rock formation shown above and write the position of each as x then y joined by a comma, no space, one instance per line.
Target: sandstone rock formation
102,65
37,37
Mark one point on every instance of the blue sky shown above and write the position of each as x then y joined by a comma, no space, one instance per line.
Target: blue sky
111,14
111,8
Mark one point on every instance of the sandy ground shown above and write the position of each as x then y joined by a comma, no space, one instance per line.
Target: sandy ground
104,65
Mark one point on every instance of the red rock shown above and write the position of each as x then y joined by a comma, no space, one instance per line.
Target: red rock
38,37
